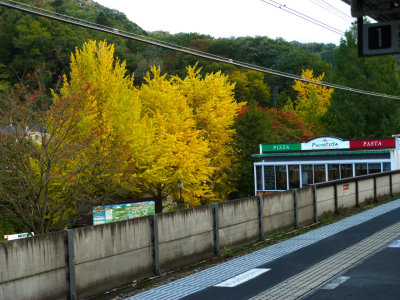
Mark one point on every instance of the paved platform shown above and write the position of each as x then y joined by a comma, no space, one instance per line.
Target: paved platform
298,267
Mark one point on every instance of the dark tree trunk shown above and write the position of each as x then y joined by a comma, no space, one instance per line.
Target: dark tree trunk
159,206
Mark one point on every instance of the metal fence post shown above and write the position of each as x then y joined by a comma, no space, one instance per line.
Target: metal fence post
296,218
391,184
70,260
154,244
314,190
214,207
357,196
375,198
336,199
260,217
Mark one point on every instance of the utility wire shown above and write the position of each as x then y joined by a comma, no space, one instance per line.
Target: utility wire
302,16
108,27
330,8
193,52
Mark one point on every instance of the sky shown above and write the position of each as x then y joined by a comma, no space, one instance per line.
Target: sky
234,18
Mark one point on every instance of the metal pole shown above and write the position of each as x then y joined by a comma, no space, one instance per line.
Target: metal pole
296,218
154,243
70,259
336,199
214,207
315,203
260,217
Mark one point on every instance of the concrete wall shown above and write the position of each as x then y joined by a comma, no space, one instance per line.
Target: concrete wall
112,254
33,268
185,237
396,183
278,211
365,190
346,193
115,254
325,200
382,186
238,222
305,206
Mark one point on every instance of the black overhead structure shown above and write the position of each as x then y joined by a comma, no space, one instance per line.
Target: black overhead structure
383,37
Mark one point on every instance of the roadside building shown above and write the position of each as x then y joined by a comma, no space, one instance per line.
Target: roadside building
294,165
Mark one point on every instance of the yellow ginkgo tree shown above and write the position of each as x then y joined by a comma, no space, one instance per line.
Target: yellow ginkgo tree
214,108
179,152
110,114
312,102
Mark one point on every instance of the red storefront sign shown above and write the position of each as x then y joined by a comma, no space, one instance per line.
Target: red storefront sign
377,143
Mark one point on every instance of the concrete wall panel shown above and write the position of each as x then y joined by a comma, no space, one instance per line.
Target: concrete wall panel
382,186
305,206
238,222
49,285
277,203
279,222
278,211
325,200
185,237
102,274
365,189
396,183
346,193
96,242
112,254
21,261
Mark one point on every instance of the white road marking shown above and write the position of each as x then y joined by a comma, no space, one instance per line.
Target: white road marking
335,283
241,278
395,244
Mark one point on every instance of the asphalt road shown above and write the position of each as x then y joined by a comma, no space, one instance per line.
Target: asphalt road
377,277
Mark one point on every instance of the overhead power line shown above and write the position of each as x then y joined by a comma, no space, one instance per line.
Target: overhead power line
143,39
302,16
332,9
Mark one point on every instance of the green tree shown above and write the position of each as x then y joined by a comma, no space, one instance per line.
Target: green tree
353,115
250,88
255,126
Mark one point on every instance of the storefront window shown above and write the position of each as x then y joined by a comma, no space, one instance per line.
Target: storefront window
346,170
387,167
374,168
361,169
294,177
319,173
280,174
307,174
259,178
333,172
269,178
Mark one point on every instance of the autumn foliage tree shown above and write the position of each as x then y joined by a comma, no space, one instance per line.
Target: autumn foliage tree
312,102
40,189
149,138
214,110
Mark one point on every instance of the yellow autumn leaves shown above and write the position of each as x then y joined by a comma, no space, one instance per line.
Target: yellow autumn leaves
312,102
144,139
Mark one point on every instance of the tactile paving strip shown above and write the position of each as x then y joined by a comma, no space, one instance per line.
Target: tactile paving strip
306,281
209,277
